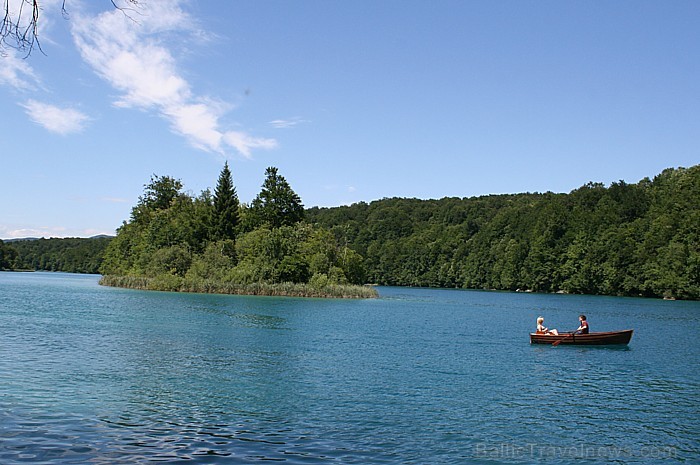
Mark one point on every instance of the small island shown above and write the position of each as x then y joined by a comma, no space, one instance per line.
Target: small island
212,243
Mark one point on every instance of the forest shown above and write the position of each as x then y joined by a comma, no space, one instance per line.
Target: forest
8,256
72,255
213,243
638,239
624,239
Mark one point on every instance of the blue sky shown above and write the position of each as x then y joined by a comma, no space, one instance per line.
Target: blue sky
352,101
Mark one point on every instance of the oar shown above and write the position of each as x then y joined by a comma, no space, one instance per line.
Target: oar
558,341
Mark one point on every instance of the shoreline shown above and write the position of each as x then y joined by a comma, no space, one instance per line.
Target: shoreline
336,291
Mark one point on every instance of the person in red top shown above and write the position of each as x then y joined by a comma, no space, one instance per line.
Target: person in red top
583,328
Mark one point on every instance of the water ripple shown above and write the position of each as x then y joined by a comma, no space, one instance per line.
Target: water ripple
99,375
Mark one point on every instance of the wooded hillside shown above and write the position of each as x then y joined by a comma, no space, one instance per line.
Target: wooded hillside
72,255
638,239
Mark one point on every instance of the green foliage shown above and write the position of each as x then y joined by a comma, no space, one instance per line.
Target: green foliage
72,255
123,250
174,260
217,259
158,194
226,206
166,282
638,239
628,239
7,256
294,254
277,204
188,243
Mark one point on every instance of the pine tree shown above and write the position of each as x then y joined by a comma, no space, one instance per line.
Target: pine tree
225,217
277,204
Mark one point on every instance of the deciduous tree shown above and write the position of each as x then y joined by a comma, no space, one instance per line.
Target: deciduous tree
158,195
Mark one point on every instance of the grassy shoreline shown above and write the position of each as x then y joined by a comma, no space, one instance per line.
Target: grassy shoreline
176,284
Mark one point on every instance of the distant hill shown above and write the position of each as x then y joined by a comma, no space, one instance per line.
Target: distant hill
102,236
20,239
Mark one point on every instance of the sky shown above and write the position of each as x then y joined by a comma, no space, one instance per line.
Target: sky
351,101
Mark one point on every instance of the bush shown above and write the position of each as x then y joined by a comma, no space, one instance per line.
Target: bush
166,282
174,260
319,281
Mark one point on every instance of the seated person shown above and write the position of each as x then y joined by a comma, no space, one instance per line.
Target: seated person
583,329
542,330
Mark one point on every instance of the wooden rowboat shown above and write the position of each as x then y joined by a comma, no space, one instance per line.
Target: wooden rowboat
611,337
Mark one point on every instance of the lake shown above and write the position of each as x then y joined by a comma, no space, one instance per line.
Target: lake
418,376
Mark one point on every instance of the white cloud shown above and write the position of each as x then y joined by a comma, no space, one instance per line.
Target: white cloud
287,123
196,121
244,143
129,51
15,232
16,72
8,232
59,120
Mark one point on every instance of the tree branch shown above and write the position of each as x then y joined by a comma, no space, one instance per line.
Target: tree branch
24,36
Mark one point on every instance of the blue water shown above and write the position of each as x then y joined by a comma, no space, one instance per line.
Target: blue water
103,375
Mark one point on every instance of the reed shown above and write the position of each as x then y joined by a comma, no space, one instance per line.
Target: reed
128,282
177,284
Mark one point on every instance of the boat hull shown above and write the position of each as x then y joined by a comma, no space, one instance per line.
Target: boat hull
596,339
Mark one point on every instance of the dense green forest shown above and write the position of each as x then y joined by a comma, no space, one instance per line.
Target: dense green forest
72,255
638,239
8,256
213,243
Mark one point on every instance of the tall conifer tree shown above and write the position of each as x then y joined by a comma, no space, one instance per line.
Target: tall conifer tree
225,206
277,204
